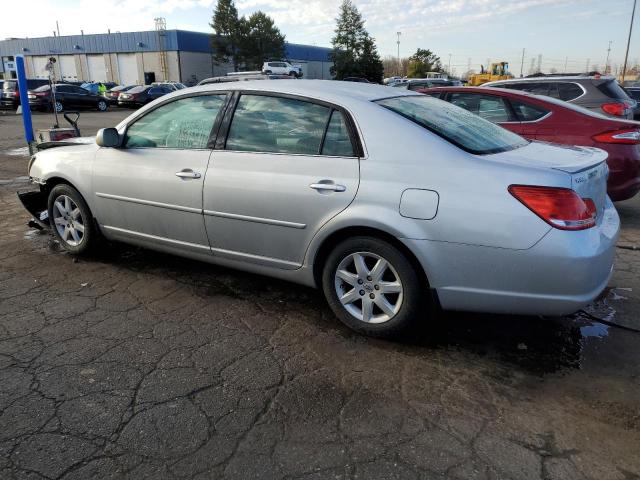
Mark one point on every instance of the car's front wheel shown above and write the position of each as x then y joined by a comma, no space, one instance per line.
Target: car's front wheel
372,287
71,219
58,106
102,105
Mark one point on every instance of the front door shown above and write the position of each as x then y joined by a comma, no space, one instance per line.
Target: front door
288,167
150,189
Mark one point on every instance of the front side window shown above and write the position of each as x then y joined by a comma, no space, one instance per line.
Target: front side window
486,106
456,125
185,123
526,112
277,125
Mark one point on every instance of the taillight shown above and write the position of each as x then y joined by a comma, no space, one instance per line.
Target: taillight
629,137
561,208
619,109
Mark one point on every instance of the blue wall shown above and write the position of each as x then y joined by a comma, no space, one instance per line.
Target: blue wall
135,42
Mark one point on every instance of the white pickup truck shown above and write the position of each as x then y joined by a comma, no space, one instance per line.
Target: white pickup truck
282,68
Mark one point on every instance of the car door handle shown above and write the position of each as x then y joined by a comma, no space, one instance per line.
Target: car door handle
328,186
188,173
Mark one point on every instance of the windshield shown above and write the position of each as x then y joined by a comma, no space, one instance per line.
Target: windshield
454,124
612,90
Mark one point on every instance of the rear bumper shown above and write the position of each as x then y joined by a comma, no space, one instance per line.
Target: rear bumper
559,275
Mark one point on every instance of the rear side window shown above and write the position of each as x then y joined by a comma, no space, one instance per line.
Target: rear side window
337,141
456,125
277,125
526,112
138,89
185,123
569,91
635,94
43,88
612,90
488,107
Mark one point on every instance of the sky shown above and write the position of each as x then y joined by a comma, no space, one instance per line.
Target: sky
571,32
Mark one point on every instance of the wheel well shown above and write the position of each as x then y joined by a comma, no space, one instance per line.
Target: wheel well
52,182
336,237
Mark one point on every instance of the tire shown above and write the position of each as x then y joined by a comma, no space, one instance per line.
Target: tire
59,107
293,74
76,232
102,106
267,72
403,301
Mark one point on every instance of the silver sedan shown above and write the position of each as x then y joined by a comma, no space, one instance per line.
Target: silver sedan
388,200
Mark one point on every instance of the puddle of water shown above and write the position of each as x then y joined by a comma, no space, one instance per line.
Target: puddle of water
18,152
598,330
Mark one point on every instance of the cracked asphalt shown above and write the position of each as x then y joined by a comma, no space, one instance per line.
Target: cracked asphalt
135,364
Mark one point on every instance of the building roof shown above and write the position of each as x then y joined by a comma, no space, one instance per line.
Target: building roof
146,41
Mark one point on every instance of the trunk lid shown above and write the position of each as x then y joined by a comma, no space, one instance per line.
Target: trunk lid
586,166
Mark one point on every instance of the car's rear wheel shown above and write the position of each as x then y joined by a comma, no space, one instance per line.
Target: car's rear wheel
58,106
71,219
292,74
102,105
372,287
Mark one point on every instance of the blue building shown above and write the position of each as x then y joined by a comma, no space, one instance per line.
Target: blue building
137,57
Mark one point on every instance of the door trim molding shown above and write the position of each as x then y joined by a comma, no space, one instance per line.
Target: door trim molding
148,236
149,202
268,221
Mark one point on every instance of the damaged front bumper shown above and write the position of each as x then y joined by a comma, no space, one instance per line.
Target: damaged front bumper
35,202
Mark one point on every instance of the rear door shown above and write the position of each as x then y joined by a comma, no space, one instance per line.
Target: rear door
287,167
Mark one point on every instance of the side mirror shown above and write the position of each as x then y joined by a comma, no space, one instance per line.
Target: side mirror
108,137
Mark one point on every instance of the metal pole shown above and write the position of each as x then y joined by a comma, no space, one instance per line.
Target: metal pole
626,55
24,101
522,63
399,65
566,60
449,67
58,27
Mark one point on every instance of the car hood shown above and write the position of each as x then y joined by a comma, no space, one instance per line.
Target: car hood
75,141
566,158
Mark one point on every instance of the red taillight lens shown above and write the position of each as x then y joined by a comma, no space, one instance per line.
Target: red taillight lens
629,137
619,109
560,207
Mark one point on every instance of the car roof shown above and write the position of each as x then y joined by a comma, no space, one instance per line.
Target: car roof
327,90
568,78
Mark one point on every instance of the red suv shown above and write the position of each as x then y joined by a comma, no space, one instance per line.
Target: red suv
546,119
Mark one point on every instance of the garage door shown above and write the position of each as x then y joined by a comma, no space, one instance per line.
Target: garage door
67,66
128,69
97,68
39,64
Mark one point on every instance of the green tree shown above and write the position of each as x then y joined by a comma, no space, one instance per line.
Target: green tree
423,61
227,34
354,51
261,40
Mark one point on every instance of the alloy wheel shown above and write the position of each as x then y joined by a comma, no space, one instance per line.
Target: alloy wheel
68,221
58,107
368,287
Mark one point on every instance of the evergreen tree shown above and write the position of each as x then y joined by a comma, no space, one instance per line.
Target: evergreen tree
261,40
354,51
227,35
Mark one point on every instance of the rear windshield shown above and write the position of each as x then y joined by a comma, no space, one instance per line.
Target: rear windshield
454,124
10,85
43,88
138,89
612,90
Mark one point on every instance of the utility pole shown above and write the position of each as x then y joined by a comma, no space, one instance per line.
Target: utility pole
539,63
606,63
626,55
399,64
58,27
522,63
566,60
449,68
588,62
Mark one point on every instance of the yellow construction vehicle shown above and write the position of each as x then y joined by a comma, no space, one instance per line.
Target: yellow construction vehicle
496,71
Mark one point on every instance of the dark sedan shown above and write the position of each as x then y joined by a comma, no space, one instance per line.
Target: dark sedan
66,96
547,119
142,95
634,92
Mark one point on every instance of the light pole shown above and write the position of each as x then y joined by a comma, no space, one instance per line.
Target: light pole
399,65
449,67
606,63
522,63
626,55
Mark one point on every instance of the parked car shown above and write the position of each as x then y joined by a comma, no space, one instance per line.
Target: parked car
171,85
67,96
600,94
416,84
634,93
546,119
141,95
355,79
113,94
282,68
376,198
10,95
